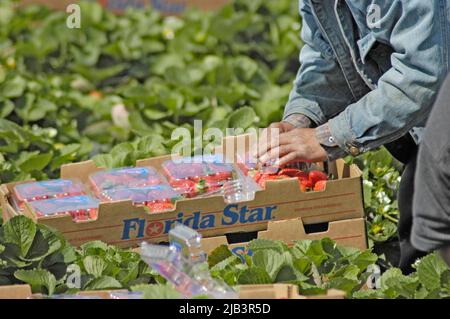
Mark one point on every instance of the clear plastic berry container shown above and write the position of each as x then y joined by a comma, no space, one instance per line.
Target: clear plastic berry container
81,208
159,198
124,178
37,191
197,175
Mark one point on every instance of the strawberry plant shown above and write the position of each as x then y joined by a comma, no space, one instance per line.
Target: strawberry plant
36,255
315,266
124,79
33,254
430,281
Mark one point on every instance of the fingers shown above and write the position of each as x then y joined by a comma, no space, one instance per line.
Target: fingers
268,138
277,141
288,159
275,153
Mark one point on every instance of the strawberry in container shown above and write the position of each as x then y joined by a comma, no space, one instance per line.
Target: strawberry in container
81,208
159,198
313,180
198,175
124,178
36,191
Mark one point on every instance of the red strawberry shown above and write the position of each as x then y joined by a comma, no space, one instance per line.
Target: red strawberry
183,186
303,188
160,207
262,180
257,176
302,176
291,172
315,176
320,186
215,179
305,185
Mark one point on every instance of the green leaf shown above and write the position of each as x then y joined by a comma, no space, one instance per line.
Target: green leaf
39,249
403,285
430,269
307,289
104,160
94,265
37,279
6,107
271,261
288,274
13,88
342,283
219,254
264,244
316,253
302,264
363,259
103,283
228,263
36,162
254,276
155,115
94,247
445,282
395,284
158,291
242,118
20,231
368,294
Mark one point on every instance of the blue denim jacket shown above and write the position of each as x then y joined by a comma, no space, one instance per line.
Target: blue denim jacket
371,69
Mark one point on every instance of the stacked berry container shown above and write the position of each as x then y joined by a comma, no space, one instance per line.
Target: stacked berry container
158,198
36,191
197,175
142,185
81,208
124,178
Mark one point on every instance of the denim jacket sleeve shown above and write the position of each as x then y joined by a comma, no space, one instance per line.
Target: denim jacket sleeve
418,33
320,89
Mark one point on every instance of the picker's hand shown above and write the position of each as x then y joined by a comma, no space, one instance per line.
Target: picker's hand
268,134
296,145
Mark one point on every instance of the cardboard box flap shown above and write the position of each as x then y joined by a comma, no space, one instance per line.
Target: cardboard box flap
346,232
80,171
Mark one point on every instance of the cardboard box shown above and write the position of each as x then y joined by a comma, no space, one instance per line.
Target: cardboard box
15,292
276,291
282,291
166,7
24,292
349,233
122,224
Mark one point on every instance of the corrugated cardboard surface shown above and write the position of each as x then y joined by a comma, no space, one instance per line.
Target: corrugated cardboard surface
125,225
349,233
164,6
282,291
15,292
276,291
